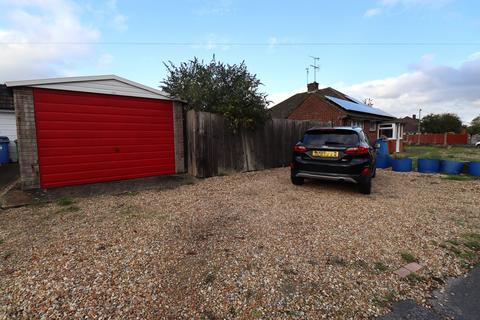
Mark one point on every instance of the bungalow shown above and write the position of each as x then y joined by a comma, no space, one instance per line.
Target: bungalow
335,108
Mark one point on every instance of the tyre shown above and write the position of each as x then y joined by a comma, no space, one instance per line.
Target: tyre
365,186
296,180
374,172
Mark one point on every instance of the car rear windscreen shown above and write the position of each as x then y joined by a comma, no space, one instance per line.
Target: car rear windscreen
337,138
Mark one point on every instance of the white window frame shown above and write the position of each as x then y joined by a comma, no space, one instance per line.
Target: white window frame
356,123
388,126
373,126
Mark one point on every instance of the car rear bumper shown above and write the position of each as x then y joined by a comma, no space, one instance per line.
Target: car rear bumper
349,172
326,176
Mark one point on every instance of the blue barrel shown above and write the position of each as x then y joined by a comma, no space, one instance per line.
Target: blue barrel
4,156
428,165
402,165
474,169
383,161
383,146
451,167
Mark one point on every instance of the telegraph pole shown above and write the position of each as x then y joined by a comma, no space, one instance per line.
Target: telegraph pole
419,118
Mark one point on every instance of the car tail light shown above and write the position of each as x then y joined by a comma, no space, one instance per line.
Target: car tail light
299,148
365,171
357,150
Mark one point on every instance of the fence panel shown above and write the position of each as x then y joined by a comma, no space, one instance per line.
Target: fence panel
213,148
437,138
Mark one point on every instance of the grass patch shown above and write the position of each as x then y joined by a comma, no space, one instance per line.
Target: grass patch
454,242
72,209
467,255
454,249
336,260
380,267
472,241
7,254
385,300
408,256
210,278
360,264
438,152
1,241
453,177
64,201
257,314
460,222
415,278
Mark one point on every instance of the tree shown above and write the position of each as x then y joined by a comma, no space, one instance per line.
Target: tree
474,127
229,90
441,123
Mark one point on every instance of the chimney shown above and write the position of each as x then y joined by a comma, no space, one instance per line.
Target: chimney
414,116
312,86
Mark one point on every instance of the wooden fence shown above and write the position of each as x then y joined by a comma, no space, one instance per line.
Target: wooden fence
437,138
214,149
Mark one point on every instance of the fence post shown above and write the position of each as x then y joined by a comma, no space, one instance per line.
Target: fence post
445,139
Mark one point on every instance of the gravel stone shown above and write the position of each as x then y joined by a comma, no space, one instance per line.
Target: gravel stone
243,246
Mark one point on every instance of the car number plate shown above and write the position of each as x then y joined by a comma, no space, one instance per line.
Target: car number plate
325,154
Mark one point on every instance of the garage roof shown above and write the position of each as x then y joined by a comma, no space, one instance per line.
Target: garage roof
105,84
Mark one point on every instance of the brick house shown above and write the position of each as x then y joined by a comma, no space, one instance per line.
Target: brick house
335,108
411,124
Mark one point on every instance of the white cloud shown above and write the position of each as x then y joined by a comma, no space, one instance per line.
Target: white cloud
46,23
435,88
118,20
372,12
215,7
384,5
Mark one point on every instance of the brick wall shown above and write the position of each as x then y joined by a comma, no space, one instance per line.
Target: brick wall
27,138
178,133
371,135
316,109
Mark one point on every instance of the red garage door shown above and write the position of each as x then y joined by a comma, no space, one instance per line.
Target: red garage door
87,137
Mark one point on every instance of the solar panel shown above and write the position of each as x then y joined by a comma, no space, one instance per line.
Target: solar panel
358,107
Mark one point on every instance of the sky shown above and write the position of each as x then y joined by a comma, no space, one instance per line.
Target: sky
403,54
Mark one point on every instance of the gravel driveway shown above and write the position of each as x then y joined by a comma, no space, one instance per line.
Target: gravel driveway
243,246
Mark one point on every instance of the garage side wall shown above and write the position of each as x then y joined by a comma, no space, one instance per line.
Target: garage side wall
178,131
27,138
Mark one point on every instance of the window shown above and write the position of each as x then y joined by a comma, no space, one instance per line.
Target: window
373,126
386,130
357,124
320,139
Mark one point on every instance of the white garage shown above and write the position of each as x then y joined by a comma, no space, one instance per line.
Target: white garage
8,124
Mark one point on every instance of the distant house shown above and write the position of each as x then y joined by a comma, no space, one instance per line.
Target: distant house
411,124
335,108
8,124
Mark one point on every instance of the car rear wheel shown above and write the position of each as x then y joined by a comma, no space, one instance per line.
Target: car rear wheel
365,185
297,181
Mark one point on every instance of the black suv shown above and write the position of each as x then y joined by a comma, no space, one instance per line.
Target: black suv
338,153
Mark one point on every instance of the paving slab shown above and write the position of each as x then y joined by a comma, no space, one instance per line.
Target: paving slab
413,267
402,272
